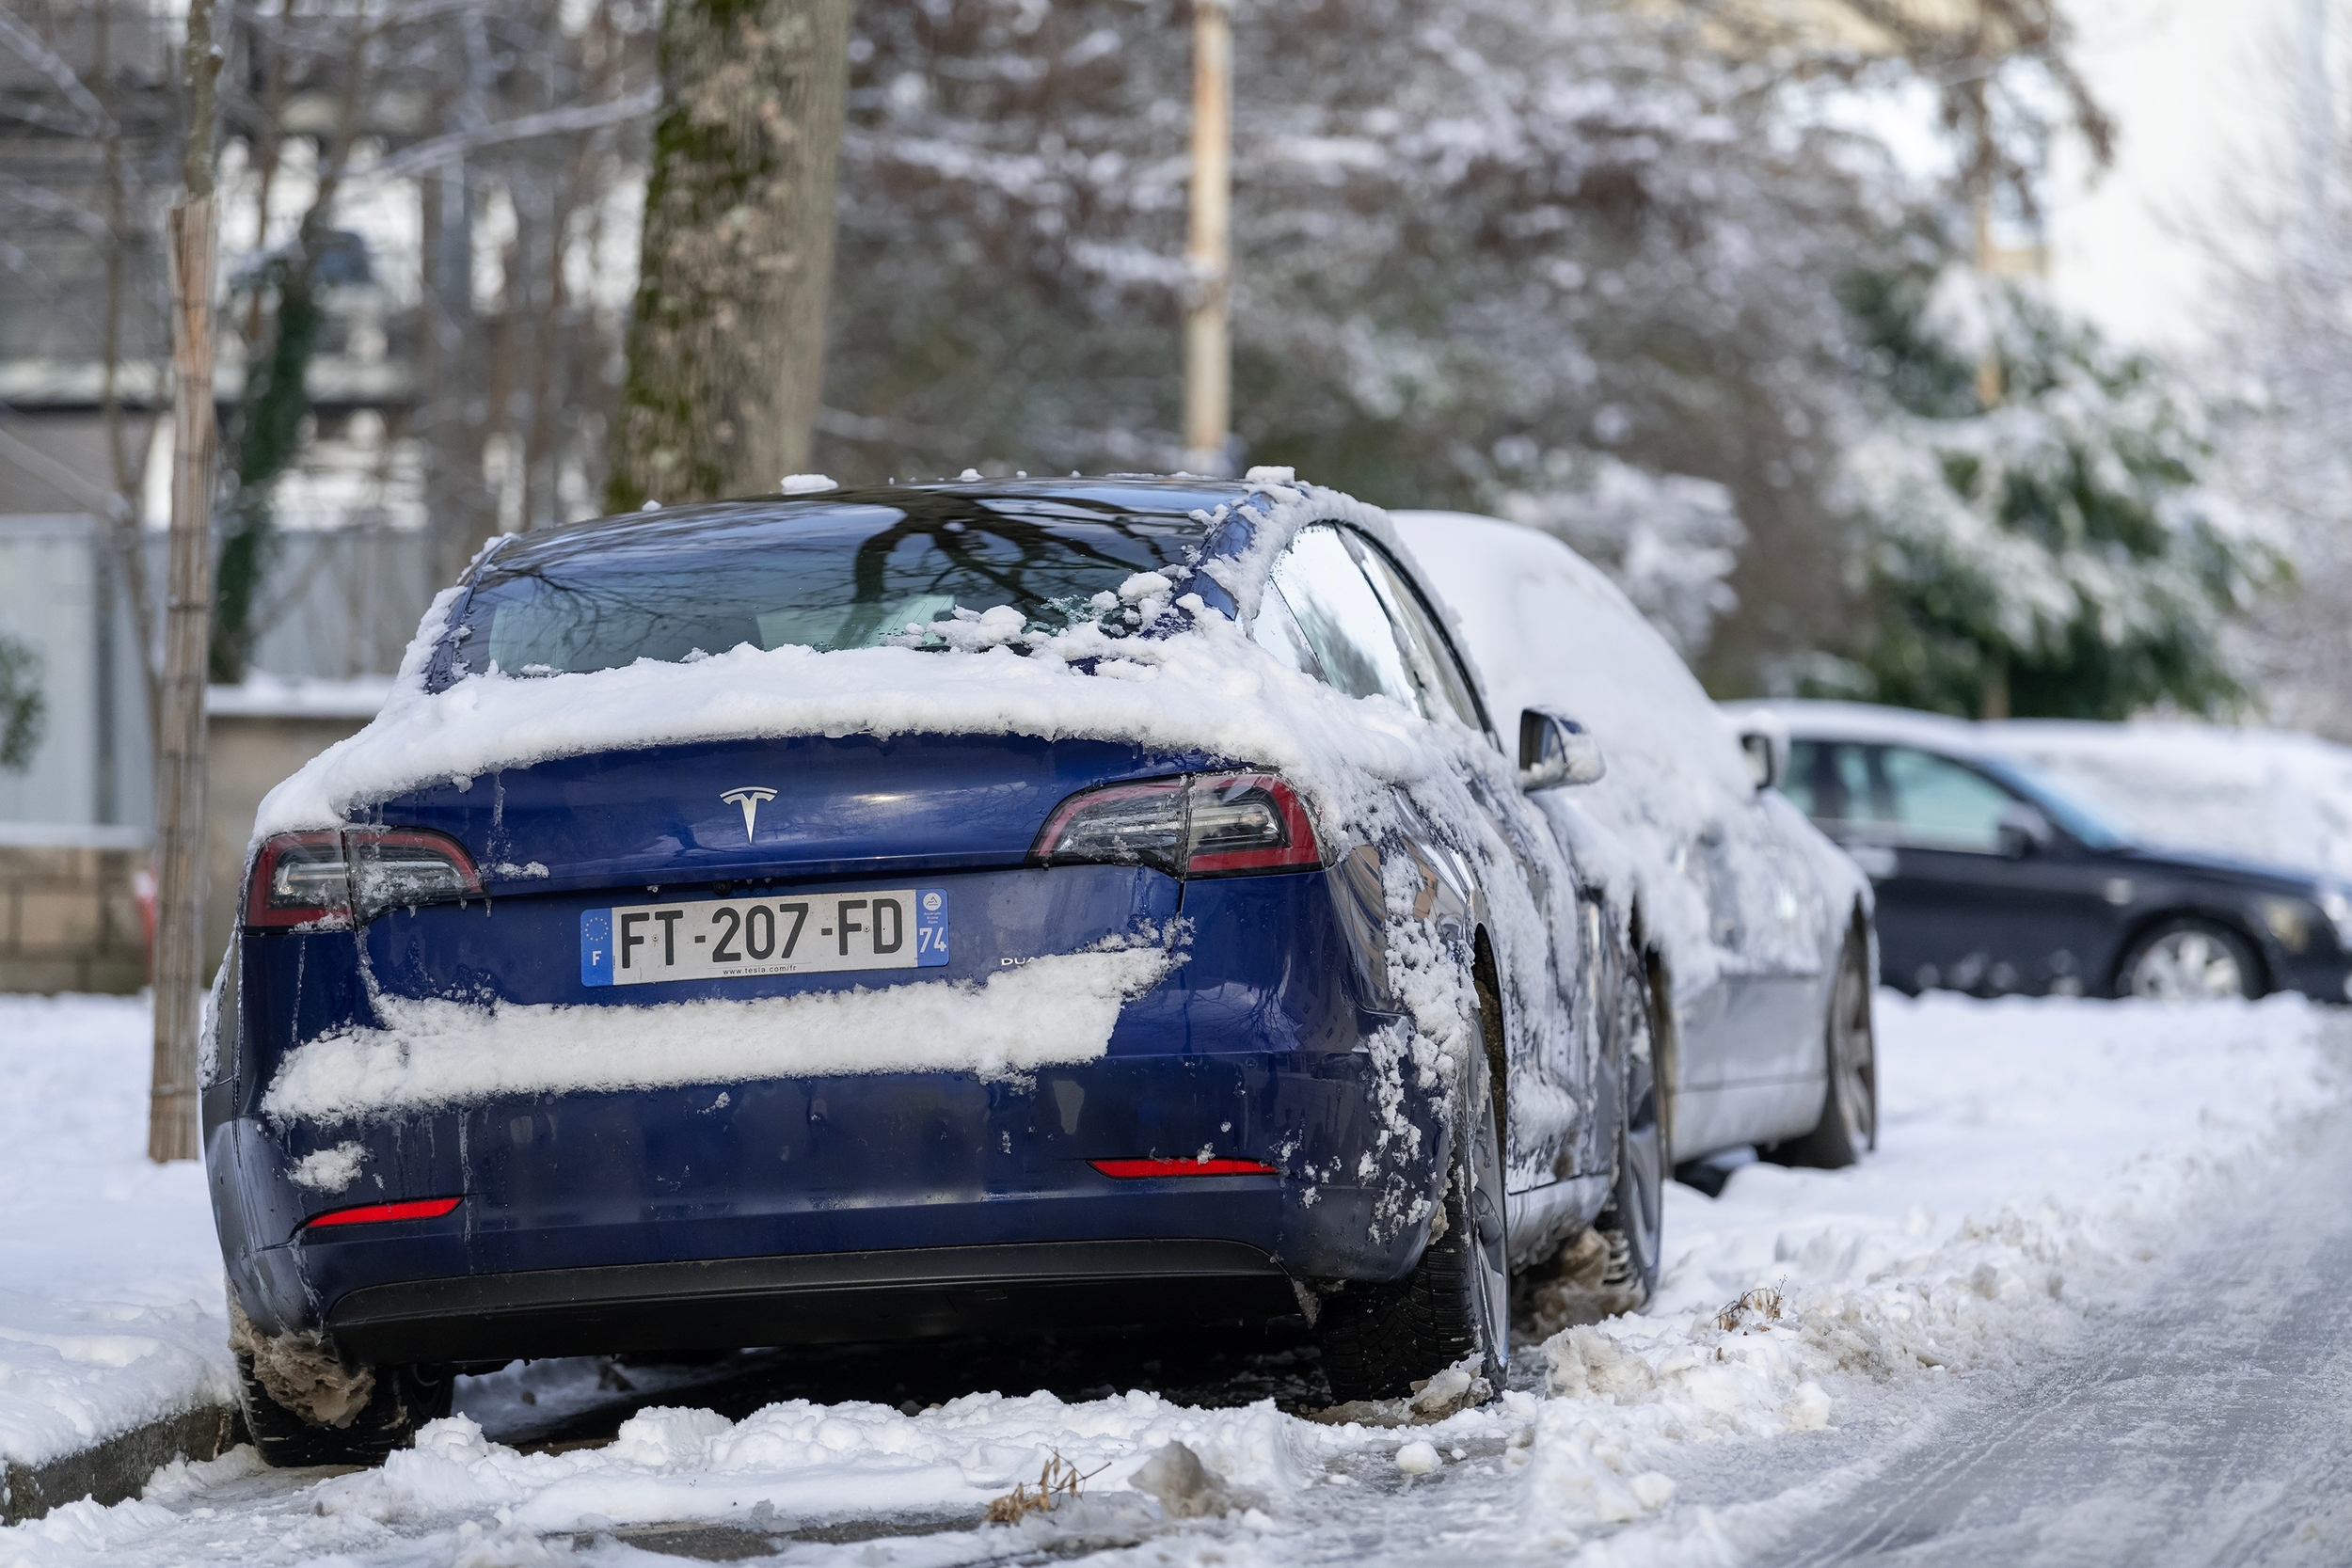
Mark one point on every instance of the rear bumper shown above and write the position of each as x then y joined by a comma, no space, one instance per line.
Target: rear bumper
805,1210
1260,1045
833,1298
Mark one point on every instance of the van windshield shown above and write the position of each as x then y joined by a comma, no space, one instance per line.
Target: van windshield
703,580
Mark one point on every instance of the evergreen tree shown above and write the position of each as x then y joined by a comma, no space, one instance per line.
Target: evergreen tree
2055,555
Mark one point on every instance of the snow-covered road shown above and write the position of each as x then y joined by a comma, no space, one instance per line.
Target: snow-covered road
2204,1425
2088,1304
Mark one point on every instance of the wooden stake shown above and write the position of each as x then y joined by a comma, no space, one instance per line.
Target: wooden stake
171,1121
1208,250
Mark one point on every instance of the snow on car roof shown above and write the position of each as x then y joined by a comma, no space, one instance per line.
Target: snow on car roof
1868,722
1545,628
1199,685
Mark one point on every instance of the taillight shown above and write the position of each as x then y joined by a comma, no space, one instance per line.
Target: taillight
376,1213
331,880
1137,1170
1205,825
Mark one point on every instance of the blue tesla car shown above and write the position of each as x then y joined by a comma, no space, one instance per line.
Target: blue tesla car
921,910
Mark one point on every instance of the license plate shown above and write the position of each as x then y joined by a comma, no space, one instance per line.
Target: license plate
808,933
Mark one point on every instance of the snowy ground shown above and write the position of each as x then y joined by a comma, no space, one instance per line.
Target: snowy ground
111,1310
2042,1164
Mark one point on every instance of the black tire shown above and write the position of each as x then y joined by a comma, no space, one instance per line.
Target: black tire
402,1399
2188,959
1632,1227
1379,1339
1849,1104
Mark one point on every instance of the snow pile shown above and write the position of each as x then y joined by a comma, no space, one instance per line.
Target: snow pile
110,1283
812,1462
2266,795
1051,1010
2034,1158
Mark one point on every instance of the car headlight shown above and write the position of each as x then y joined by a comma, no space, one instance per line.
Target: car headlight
2336,905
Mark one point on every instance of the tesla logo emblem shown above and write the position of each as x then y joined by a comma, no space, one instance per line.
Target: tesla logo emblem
750,800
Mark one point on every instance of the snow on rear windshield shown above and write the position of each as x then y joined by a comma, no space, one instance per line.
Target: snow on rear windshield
704,581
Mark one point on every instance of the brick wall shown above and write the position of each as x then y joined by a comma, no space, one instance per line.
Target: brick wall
68,913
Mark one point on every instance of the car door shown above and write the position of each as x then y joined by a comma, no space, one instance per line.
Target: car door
1965,899
1337,598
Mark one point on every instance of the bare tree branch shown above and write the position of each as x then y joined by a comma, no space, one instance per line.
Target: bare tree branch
457,143
39,463
27,45
42,199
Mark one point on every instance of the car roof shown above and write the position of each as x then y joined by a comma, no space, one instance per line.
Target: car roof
1869,722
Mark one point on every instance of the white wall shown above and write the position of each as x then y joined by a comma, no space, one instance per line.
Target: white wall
48,585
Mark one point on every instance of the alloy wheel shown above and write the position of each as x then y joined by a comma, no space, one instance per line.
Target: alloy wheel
2189,964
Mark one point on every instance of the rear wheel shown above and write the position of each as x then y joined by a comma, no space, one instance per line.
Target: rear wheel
1850,1108
1612,1266
2188,959
401,1399
1633,1226
1379,1340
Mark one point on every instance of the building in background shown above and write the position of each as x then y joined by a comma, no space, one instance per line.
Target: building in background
472,260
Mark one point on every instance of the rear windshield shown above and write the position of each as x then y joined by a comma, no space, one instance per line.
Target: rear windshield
702,581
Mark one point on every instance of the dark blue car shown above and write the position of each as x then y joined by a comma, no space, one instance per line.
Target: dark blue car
912,912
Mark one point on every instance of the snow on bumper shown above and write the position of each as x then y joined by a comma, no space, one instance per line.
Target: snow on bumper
1053,1011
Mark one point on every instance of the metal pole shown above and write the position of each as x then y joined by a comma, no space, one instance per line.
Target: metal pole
1208,252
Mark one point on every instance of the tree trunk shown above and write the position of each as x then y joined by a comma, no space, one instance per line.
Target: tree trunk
726,337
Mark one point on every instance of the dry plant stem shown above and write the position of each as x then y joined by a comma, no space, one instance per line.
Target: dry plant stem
1057,1483
1764,1302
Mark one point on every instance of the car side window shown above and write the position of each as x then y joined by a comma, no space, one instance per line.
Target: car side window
1343,619
1940,803
1275,629
1444,687
1831,783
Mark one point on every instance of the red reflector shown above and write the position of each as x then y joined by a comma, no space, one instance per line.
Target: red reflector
371,1213
1129,1170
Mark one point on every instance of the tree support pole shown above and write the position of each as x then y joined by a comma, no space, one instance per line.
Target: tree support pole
172,1132
1208,250
194,245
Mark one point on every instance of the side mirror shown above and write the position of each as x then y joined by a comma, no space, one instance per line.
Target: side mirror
1768,757
1555,750
2024,830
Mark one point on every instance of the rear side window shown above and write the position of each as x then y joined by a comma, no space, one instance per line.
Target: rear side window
1343,620
1941,804
1896,794
1277,631
1444,686
1829,781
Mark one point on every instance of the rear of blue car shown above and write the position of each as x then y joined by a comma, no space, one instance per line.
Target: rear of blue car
869,1176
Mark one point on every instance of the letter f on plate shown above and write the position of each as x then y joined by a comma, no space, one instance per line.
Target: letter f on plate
749,798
